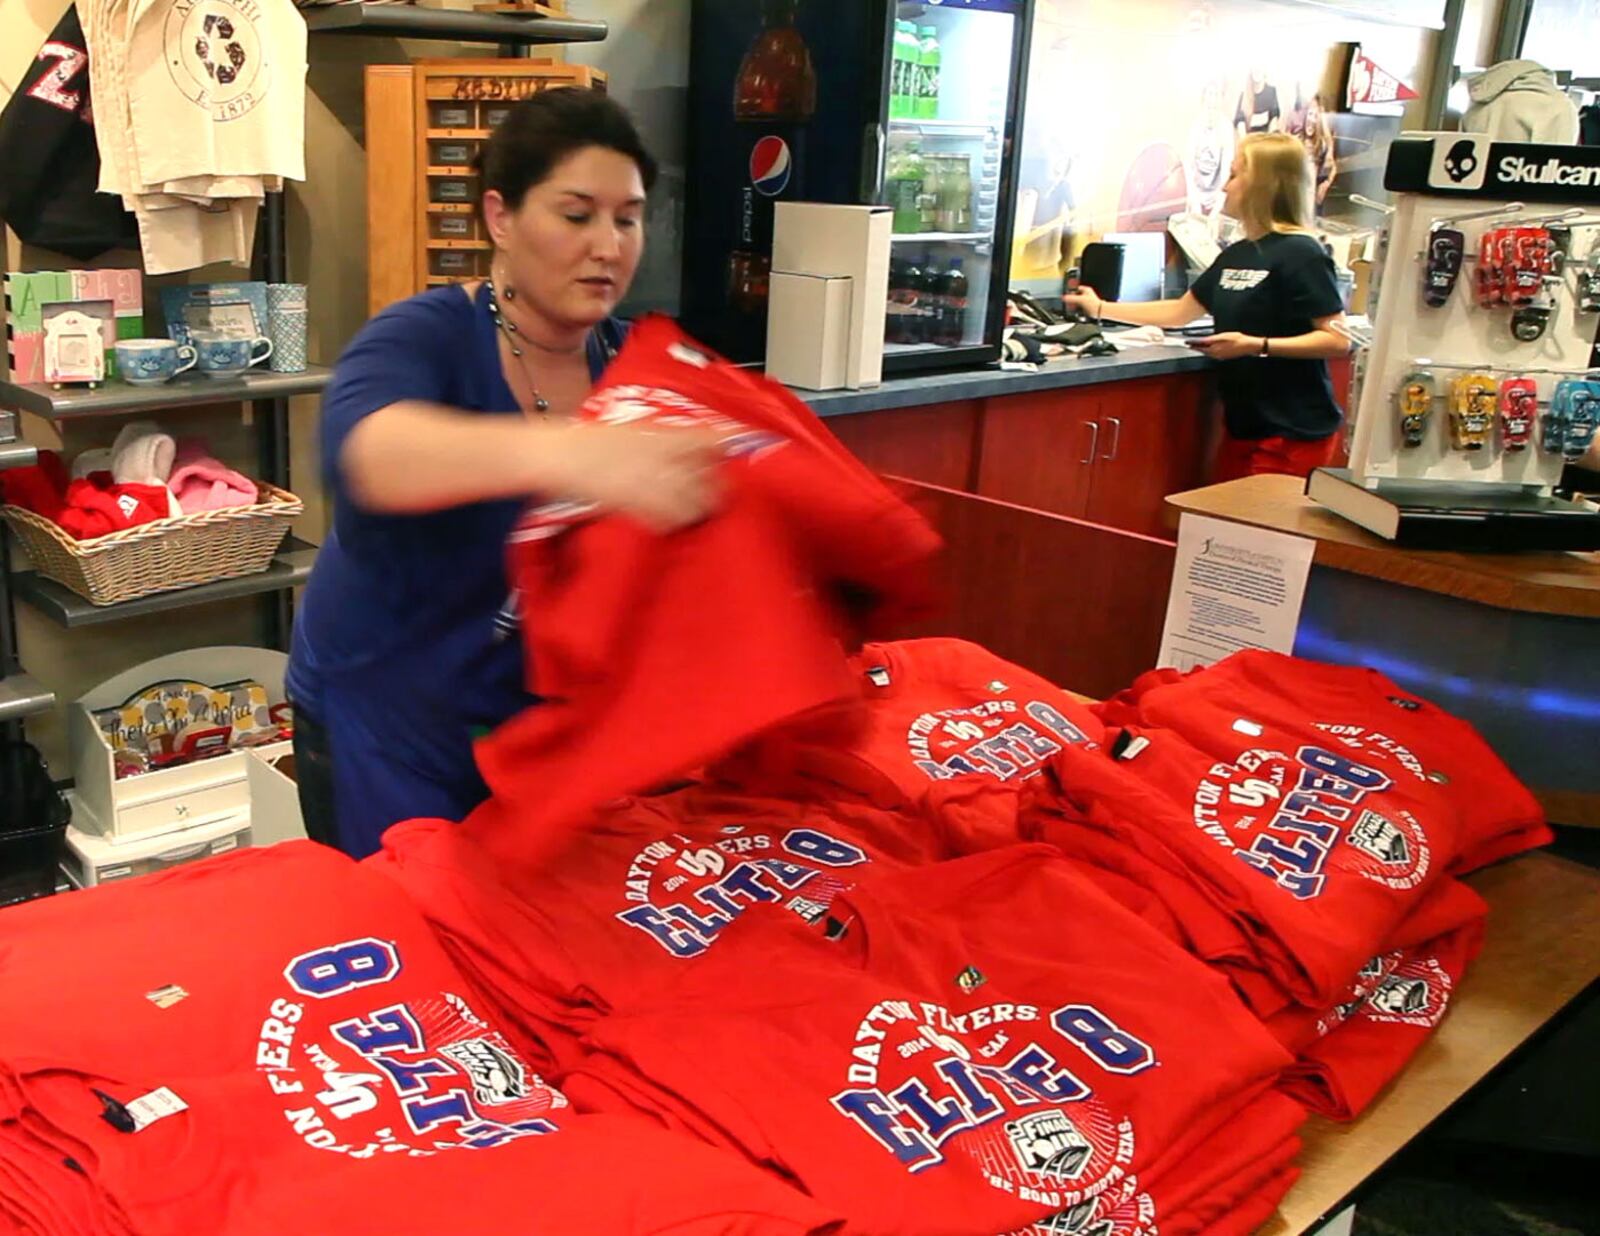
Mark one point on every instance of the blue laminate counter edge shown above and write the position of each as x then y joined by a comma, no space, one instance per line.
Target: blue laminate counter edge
988,383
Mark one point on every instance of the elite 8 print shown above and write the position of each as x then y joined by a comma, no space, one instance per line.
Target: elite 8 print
1004,1086
412,1077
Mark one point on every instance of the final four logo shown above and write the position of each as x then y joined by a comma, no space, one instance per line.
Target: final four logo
1003,1091
995,738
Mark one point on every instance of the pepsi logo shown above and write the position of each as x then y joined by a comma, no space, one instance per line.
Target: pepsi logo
770,166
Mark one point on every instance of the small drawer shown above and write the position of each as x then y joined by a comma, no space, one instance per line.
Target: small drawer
162,815
455,263
451,153
451,115
452,227
494,113
452,188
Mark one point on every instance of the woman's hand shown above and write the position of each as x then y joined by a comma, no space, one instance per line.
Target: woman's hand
665,478
1085,299
1229,345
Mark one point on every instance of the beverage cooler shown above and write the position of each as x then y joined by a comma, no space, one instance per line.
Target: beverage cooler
912,105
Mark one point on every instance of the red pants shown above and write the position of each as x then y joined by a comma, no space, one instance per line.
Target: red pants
1239,457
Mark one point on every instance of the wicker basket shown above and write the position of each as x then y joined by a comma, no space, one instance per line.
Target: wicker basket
158,557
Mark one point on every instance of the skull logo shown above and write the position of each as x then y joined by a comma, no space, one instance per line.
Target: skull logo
1462,160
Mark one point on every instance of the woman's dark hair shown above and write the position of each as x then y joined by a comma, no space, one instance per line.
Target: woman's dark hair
543,129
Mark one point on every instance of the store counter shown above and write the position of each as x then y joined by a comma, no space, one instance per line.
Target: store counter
1541,951
1511,642
927,388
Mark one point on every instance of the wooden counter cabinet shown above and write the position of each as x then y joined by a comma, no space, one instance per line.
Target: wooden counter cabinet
1107,453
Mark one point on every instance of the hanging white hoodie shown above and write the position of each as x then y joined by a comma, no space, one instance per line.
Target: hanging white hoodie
1519,101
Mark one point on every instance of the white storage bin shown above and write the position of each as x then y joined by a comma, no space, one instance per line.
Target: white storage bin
274,794
90,859
166,799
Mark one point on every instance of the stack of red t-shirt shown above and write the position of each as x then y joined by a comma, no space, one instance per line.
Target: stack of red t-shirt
989,1044
650,885
1359,711
934,711
273,1039
655,653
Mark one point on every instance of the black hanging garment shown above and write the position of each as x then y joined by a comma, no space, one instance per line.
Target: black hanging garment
49,163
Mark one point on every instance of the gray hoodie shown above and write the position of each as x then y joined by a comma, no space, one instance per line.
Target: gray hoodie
1519,101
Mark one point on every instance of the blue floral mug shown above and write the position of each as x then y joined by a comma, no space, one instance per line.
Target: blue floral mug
149,362
223,356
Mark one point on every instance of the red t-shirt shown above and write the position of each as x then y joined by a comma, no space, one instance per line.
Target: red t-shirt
1314,855
654,654
936,710
651,884
298,1006
936,1069
1366,714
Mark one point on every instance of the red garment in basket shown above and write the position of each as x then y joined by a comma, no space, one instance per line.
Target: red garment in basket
1365,713
654,654
88,507
935,1069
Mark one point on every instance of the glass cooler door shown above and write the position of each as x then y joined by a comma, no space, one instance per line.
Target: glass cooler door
953,113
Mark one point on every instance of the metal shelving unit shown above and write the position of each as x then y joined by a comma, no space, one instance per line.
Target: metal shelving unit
21,696
290,568
121,398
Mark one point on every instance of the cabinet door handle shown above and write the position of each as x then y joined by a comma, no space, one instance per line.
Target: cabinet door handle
1116,438
1094,441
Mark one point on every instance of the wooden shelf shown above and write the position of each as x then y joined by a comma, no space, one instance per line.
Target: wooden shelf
114,398
459,135
290,568
410,22
452,171
445,243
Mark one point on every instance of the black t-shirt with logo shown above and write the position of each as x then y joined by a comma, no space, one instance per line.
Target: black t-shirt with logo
1276,286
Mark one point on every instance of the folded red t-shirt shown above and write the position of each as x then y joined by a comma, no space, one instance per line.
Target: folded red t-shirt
1315,856
649,885
655,654
932,1068
1362,711
936,710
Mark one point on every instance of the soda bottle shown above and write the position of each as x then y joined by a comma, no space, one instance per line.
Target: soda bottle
959,191
903,71
893,326
926,106
952,306
904,186
933,193
929,287
774,96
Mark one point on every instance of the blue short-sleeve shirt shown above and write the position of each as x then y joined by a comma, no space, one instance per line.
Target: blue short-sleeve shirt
396,652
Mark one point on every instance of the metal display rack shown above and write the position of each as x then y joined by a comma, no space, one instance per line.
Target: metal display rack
21,696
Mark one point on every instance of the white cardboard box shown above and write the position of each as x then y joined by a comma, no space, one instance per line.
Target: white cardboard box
815,238
274,795
808,330
166,799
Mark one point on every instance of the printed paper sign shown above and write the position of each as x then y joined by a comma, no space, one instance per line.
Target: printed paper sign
1233,587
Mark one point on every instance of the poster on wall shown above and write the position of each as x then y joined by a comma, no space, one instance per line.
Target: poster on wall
1123,142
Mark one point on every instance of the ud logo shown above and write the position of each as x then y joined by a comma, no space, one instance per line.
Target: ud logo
1401,995
496,1076
1047,1144
1374,835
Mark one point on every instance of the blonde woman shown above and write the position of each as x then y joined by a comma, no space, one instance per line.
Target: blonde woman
1279,316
